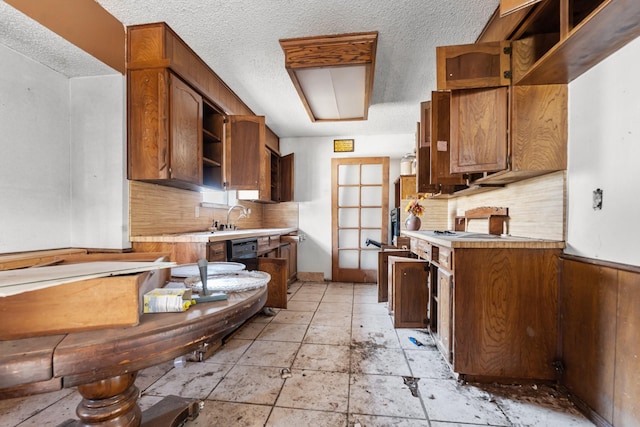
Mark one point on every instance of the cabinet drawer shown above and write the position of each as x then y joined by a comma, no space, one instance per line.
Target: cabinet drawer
414,246
217,251
263,243
445,257
424,250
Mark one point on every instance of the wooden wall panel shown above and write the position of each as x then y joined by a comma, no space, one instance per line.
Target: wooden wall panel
588,298
626,410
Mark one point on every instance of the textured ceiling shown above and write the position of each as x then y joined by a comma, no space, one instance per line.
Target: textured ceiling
238,39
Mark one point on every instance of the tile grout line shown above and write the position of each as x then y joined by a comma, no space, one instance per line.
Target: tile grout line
406,358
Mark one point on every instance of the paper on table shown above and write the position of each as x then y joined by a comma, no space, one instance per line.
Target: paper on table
13,282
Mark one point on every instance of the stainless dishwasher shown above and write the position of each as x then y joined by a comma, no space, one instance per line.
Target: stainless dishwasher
244,251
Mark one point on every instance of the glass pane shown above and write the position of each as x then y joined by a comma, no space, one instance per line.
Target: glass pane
369,260
348,259
375,234
348,196
372,174
370,217
371,196
348,174
348,239
348,217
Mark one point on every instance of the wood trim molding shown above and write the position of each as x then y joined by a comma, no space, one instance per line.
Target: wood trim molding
82,22
332,50
601,263
338,50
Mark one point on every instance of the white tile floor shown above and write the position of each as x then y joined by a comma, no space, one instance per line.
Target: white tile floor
347,365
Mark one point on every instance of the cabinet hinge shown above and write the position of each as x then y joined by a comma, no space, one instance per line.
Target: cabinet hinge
169,171
507,74
507,50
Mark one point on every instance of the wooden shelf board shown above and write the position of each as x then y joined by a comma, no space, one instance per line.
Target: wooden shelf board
611,26
210,163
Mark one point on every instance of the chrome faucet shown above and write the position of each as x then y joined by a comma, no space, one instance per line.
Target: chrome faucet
245,213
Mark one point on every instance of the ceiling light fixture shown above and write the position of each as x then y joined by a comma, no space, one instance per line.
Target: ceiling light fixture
333,74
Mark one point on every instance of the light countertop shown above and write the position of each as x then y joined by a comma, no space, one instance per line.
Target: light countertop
464,239
213,236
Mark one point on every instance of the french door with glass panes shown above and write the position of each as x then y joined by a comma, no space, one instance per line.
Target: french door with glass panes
359,211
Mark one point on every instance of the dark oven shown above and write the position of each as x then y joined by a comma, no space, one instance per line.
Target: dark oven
244,251
395,223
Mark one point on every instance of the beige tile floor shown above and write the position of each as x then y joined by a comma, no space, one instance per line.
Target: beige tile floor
347,365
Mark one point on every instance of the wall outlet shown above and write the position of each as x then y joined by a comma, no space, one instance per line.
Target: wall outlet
597,199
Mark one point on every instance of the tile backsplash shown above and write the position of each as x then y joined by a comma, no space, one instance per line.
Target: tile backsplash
157,209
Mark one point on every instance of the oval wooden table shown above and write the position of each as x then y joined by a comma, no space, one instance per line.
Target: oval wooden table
103,364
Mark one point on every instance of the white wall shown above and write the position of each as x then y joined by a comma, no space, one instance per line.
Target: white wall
604,152
62,168
99,189
35,188
313,187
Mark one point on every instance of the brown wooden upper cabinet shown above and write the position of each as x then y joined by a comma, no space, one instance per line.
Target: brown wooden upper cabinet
276,178
278,175
473,65
562,39
164,130
504,133
509,133
423,151
180,131
213,146
433,147
440,172
244,141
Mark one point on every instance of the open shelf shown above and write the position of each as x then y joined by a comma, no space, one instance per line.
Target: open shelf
592,31
212,146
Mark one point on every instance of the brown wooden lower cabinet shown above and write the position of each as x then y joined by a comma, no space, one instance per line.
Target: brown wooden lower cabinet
494,310
289,251
277,286
409,296
217,251
272,262
599,323
383,271
505,312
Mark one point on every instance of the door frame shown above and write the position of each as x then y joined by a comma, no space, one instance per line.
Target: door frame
356,275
